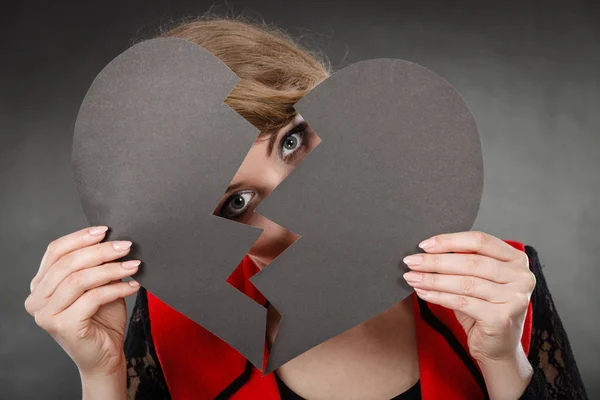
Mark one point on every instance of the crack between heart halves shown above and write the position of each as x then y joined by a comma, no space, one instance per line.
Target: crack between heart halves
246,279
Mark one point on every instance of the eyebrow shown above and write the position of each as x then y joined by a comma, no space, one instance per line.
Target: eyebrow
272,140
233,187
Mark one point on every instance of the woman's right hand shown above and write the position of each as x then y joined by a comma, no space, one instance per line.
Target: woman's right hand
77,296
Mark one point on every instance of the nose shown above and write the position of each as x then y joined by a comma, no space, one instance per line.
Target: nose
269,180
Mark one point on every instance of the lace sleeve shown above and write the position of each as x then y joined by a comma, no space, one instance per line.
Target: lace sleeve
556,375
145,380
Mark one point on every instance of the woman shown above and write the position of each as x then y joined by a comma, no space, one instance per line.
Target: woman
481,307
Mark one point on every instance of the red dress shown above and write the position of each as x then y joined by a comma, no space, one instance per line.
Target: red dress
198,365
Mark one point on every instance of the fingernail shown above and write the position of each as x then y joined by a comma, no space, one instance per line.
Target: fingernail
131,264
425,244
133,283
421,292
413,260
412,276
97,230
121,245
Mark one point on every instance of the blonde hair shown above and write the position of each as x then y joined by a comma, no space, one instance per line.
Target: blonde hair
275,70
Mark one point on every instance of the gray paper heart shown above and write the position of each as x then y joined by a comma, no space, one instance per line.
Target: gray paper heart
400,161
155,147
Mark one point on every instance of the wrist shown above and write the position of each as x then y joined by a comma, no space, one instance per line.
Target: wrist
104,384
507,378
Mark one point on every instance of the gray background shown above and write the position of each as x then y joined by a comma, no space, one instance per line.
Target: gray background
530,73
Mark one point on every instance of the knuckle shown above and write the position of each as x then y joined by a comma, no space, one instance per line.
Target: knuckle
523,260
76,280
93,296
468,285
61,263
431,280
33,283
521,302
461,302
28,305
435,296
433,260
104,252
532,281
473,264
480,238
440,241
529,281
39,320
103,248
88,256
42,320
52,247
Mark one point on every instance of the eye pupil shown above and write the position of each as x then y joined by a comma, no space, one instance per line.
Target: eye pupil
238,202
290,143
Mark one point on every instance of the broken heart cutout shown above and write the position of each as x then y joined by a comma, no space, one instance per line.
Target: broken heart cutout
155,148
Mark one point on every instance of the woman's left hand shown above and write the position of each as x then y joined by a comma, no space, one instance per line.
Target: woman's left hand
489,291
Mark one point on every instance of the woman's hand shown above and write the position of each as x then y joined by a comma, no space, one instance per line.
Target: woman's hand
78,297
489,292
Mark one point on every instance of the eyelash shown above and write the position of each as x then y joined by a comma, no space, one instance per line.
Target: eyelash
222,210
301,131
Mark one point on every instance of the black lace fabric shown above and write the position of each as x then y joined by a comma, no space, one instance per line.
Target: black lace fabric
556,375
145,380
551,356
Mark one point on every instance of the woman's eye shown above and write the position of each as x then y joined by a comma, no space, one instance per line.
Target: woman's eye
291,143
236,205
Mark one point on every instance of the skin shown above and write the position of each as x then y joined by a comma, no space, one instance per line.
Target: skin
259,174
78,297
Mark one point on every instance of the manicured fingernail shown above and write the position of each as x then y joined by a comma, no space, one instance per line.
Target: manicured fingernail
421,292
131,264
416,259
412,276
121,245
425,244
97,230
133,283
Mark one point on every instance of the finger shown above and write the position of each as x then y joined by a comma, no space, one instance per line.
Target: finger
457,284
525,282
471,242
66,244
76,284
87,257
473,307
463,264
87,305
